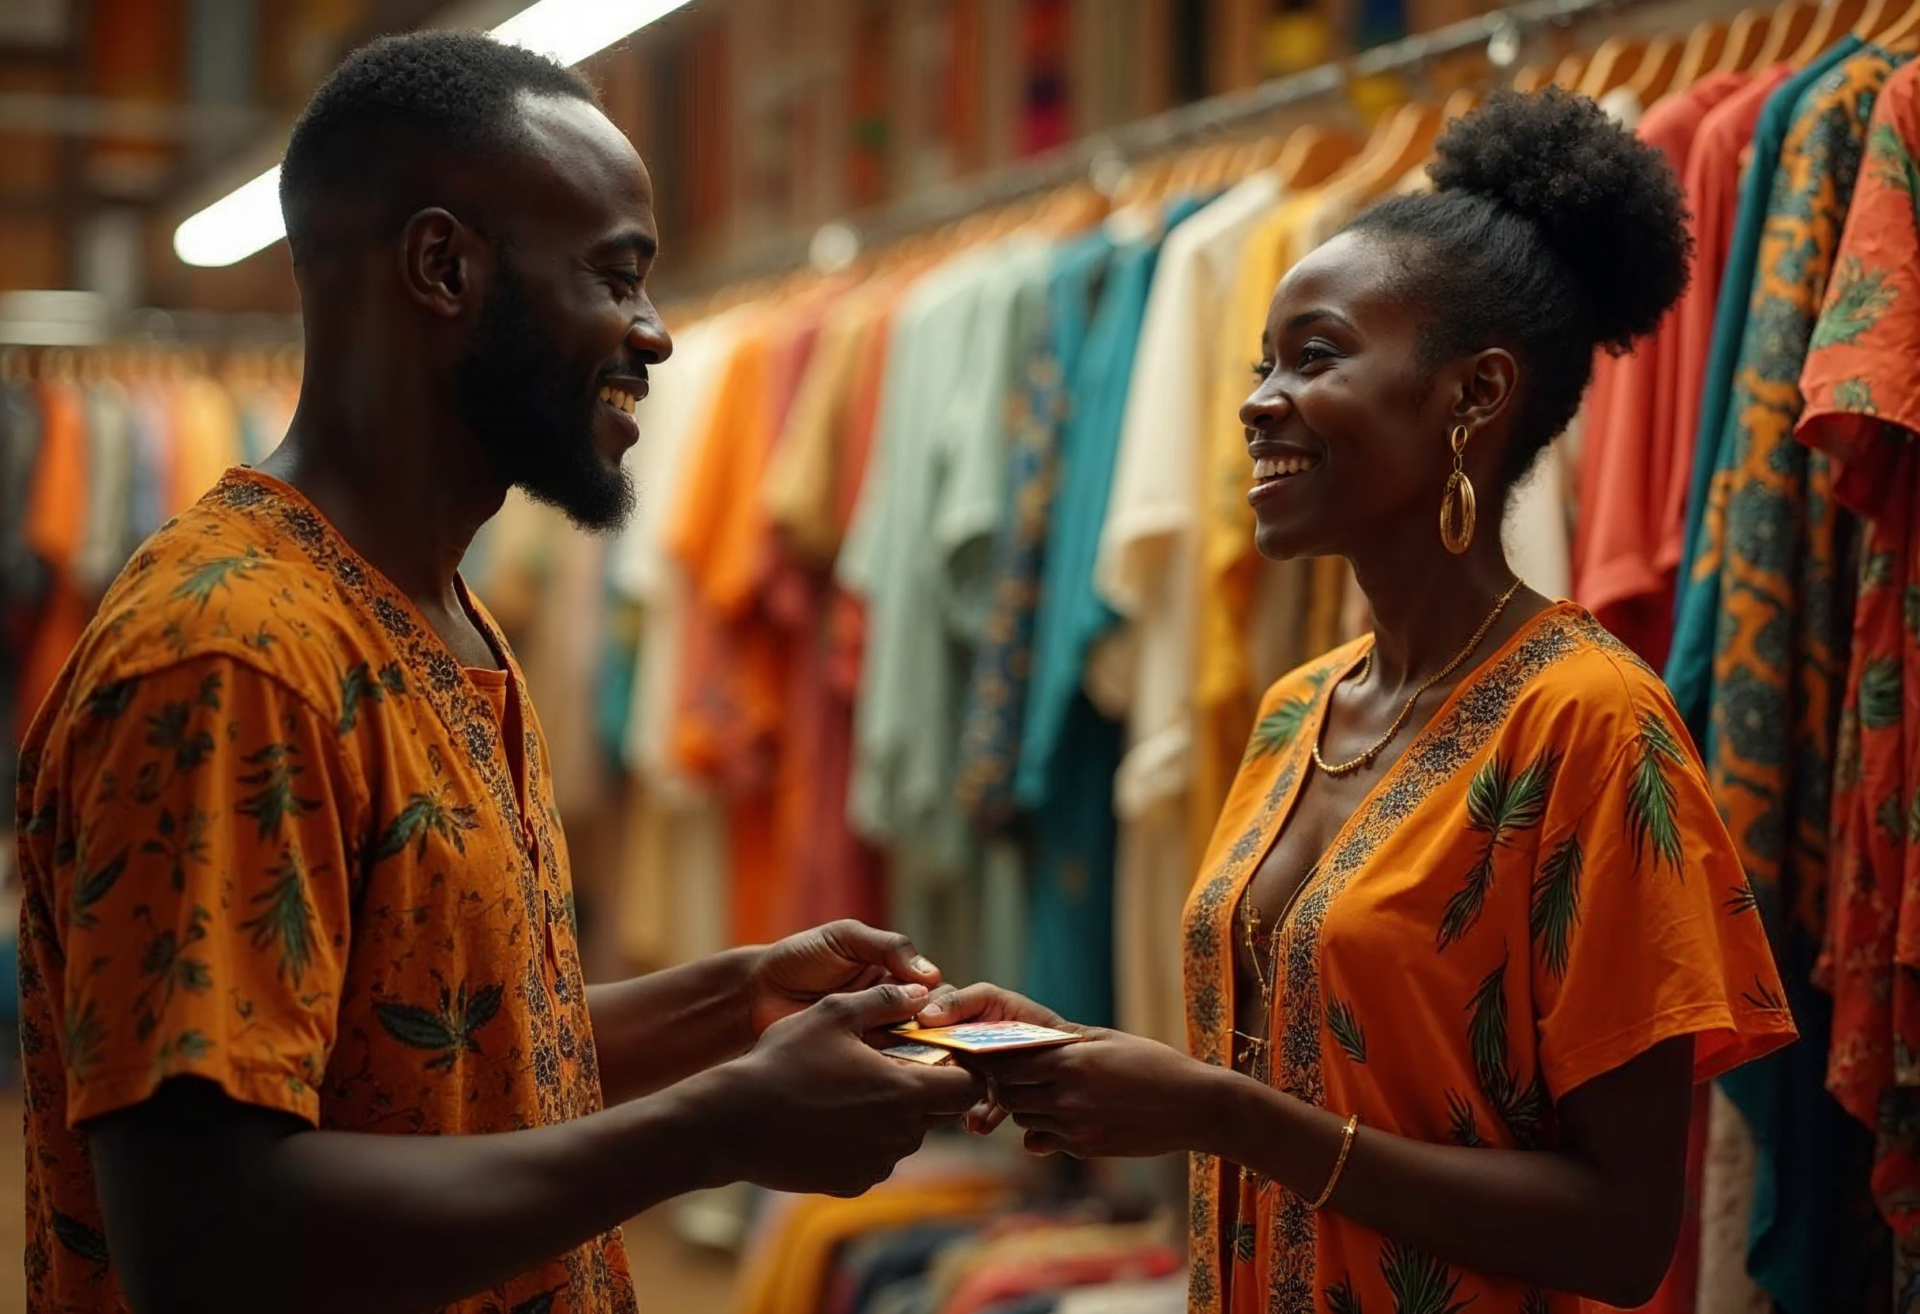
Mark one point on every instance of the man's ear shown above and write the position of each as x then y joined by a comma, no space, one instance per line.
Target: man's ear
443,262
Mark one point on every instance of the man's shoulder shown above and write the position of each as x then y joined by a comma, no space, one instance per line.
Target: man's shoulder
242,575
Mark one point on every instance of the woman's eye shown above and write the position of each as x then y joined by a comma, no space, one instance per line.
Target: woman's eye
1261,369
1312,352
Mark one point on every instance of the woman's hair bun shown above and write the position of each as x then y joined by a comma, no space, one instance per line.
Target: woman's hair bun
1604,201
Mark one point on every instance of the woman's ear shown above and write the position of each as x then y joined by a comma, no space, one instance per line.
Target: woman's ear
1488,387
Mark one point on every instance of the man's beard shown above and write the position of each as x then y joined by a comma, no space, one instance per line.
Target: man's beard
513,391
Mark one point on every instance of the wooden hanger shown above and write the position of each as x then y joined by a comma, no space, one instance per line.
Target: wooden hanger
1872,20
1567,76
1791,23
1903,31
1746,38
1654,78
1612,65
1073,209
1313,154
1265,153
1403,139
1705,46
1461,103
1532,78
1216,168
1830,22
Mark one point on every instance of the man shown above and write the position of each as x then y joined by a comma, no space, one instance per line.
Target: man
304,1018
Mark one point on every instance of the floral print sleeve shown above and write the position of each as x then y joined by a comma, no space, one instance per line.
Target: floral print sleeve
1642,924
1863,412
208,898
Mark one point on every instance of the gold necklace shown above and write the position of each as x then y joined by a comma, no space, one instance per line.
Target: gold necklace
1352,765
1268,981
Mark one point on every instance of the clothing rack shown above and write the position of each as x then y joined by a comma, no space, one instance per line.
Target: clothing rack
1104,157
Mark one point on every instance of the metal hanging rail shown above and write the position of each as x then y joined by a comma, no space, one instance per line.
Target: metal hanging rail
1501,31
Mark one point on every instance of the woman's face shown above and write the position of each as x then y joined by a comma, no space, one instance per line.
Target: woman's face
1347,430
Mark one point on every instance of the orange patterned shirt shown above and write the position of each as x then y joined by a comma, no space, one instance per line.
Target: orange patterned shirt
1538,891
274,836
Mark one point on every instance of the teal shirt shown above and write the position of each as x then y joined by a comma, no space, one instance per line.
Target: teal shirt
1689,670
1069,752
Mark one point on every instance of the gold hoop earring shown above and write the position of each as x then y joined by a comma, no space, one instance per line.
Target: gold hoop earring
1457,504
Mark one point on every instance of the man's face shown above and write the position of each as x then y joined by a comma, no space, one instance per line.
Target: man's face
559,353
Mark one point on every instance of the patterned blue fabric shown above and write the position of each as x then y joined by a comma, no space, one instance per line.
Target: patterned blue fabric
996,697
1070,752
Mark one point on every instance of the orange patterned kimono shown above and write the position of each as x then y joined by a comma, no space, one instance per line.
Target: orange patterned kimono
1536,892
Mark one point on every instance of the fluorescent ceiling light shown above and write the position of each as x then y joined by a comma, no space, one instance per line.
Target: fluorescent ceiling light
248,219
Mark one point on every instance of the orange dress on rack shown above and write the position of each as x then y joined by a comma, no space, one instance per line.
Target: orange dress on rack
1863,410
274,837
1538,891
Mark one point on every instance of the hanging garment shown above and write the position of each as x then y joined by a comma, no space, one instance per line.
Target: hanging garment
1712,186
1226,686
1069,749
1773,702
55,531
833,871
1863,411
1145,570
729,720
1424,934
1631,423
787,1272
1689,668
22,577
917,554
996,696
674,902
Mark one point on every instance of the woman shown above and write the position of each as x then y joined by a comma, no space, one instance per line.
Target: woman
1512,930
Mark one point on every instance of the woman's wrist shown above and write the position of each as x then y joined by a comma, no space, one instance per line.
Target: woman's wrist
1289,1141
1223,1107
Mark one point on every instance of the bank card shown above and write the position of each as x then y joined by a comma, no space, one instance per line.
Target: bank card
910,1052
988,1037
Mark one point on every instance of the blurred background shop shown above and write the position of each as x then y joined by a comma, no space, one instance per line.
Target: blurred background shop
1013,746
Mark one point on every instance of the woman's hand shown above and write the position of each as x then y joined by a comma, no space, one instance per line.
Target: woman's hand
984,1002
1110,1096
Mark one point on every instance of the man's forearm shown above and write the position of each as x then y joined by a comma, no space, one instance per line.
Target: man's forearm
327,1220
654,1030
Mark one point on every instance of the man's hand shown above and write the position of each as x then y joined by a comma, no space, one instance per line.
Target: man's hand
1111,1096
832,959
983,1002
825,1111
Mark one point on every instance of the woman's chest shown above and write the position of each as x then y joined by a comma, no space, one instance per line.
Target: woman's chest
1433,894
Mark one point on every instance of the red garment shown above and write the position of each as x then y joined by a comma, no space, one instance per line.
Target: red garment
1862,389
1001,1282
1633,423
1712,187
836,872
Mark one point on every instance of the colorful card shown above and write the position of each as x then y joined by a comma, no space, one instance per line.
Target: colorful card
930,1055
988,1037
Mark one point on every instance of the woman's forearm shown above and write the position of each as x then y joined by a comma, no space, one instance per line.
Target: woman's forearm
1539,1217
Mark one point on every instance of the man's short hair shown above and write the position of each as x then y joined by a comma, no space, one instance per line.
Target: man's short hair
357,140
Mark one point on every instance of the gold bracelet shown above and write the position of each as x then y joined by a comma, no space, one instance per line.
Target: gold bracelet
1340,1164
